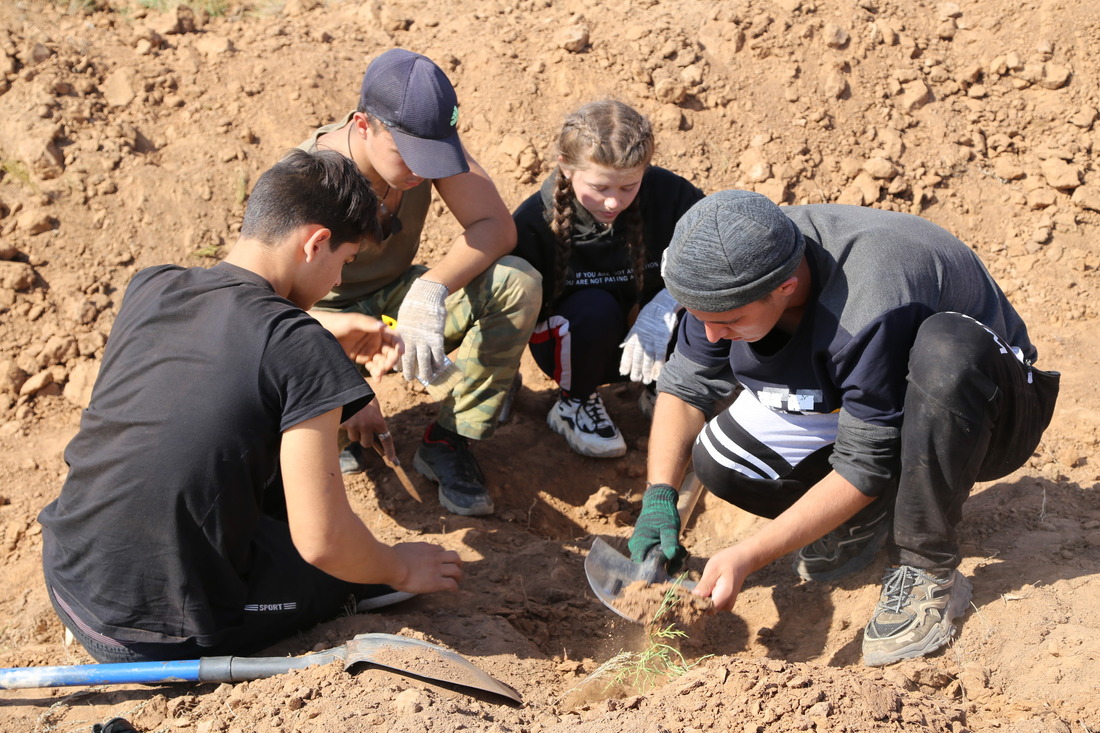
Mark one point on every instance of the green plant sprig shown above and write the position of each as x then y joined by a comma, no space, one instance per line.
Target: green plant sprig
659,661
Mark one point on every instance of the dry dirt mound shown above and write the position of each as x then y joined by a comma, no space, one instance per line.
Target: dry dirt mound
130,137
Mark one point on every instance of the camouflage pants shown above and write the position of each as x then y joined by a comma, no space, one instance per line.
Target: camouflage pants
488,325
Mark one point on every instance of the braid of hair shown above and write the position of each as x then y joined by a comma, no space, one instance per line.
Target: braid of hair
634,237
561,225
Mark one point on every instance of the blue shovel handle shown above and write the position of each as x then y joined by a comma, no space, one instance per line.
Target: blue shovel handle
208,669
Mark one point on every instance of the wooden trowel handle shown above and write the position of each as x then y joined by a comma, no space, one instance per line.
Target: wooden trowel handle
690,491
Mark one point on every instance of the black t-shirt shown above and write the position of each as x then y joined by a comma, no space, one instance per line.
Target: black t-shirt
599,258
151,537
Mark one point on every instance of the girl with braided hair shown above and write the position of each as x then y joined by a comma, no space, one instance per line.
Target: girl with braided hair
596,231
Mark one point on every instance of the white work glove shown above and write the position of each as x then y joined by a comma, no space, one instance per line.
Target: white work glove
646,344
420,325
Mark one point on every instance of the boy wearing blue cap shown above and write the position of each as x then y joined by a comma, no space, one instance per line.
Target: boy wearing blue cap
883,372
477,299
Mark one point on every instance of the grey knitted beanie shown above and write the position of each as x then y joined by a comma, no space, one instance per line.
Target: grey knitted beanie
730,249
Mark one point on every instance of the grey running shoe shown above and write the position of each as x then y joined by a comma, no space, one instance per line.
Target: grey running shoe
586,426
352,459
847,549
915,614
449,462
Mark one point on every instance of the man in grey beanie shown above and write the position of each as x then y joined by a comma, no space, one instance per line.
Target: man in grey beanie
882,372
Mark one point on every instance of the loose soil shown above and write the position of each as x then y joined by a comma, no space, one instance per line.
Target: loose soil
131,137
660,605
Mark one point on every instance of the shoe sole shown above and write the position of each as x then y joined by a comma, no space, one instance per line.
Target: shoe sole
371,604
477,510
857,563
559,427
942,633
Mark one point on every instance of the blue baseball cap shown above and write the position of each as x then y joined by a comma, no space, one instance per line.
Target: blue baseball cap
416,102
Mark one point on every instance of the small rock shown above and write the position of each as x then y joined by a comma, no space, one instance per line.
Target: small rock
11,377
213,45
604,502
1060,174
36,53
212,725
409,701
950,10
834,36
880,168
1054,76
670,91
836,86
863,191
914,95
16,275
57,350
759,173
774,188
692,75
1087,196
36,383
1084,117
34,222
1041,198
118,86
1007,168
1070,456
573,39
164,24
884,31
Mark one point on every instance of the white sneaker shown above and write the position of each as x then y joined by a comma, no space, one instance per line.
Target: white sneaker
585,425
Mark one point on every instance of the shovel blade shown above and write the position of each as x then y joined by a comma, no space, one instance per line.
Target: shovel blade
609,572
424,660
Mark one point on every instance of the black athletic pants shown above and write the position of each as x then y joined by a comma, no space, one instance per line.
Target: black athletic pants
973,412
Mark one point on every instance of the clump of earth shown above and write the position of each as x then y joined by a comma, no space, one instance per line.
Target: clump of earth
662,605
131,133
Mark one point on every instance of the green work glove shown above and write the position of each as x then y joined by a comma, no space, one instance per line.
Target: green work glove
658,527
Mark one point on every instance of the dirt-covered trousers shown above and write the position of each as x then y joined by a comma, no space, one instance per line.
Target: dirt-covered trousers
973,411
488,324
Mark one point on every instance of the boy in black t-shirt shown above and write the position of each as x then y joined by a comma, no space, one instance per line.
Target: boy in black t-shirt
218,398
